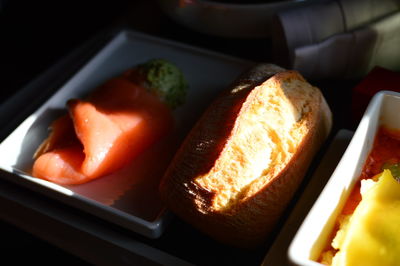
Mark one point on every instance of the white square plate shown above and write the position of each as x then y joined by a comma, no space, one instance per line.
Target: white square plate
119,200
316,228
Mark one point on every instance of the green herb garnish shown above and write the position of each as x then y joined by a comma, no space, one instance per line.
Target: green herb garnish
394,169
165,80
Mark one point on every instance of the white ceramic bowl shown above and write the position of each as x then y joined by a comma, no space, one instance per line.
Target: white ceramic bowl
228,19
316,228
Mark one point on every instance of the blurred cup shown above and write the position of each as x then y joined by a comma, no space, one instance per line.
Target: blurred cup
228,18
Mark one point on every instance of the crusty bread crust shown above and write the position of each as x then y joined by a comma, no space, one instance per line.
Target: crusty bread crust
243,160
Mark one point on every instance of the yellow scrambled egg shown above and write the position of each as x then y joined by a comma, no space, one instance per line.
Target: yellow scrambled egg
371,236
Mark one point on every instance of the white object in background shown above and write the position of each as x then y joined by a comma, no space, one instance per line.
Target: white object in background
339,39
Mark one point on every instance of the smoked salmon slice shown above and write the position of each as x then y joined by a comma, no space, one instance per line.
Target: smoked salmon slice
102,133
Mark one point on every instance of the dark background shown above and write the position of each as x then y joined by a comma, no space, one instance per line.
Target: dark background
36,34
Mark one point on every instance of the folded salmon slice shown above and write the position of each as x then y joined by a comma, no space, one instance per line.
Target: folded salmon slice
113,126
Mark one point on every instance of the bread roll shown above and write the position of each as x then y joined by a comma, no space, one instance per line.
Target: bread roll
243,160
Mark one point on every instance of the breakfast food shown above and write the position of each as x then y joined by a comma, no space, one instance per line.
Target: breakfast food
370,236
114,124
367,230
241,163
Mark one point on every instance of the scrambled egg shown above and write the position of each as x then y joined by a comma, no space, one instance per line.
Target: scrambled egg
371,236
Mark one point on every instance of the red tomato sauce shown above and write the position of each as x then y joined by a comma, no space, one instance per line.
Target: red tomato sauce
386,149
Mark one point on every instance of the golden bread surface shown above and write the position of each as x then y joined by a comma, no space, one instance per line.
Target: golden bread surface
241,163
259,148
